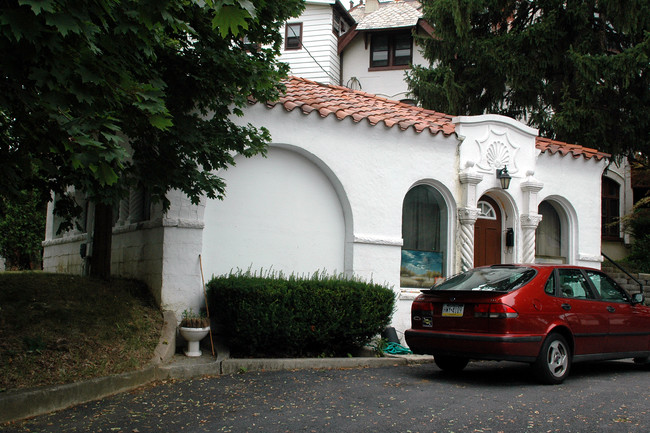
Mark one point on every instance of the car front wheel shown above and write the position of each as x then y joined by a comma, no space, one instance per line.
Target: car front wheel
554,360
452,364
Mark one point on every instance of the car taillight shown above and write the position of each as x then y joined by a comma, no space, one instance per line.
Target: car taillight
495,311
421,313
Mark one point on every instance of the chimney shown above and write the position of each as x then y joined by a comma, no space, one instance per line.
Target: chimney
371,6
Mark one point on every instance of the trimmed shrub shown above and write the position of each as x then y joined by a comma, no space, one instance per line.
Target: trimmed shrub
282,317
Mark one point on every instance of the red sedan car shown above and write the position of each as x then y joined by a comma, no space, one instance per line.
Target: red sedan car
546,315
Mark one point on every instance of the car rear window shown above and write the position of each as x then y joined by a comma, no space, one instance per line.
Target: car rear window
494,279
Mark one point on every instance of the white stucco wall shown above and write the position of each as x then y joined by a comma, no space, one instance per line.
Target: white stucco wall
280,213
374,167
575,184
61,251
163,252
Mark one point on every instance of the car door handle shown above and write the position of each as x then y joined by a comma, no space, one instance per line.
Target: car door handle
567,307
611,309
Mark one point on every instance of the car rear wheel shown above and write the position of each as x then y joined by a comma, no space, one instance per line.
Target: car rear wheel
554,361
452,364
644,362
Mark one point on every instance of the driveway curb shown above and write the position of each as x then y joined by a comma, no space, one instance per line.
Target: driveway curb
19,404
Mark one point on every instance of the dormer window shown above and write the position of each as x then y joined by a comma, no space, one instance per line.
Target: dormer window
293,36
391,50
339,26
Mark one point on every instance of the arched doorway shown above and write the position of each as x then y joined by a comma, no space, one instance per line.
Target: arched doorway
548,236
552,236
487,233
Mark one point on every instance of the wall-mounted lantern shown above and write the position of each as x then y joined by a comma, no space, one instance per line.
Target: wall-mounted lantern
504,177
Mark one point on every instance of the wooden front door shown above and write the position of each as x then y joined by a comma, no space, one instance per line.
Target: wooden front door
487,233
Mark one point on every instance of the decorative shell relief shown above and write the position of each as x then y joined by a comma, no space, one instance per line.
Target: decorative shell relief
497,155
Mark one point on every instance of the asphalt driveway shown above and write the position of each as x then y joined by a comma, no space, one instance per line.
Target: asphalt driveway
486,397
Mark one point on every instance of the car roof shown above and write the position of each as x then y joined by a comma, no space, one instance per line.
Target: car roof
540,266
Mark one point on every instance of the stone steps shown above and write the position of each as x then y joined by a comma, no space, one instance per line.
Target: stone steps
626,282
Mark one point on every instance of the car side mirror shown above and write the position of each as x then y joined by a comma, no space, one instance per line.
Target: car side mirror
638,298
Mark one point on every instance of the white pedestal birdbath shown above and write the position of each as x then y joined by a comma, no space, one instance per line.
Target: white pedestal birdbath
193,336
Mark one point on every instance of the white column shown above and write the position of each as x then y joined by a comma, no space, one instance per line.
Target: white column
123,212
529,223
136,201
467,214
467,217
529,218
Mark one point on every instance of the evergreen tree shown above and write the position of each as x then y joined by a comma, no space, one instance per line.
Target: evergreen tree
577,70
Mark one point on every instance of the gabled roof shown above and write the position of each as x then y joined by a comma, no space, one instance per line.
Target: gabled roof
309,97
397,14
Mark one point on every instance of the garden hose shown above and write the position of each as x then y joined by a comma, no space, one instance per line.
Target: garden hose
396,349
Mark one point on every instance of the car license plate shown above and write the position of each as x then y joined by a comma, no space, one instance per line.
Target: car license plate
453,310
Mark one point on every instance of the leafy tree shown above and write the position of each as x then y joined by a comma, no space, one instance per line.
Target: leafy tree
637,223
577,70
22,225
107,95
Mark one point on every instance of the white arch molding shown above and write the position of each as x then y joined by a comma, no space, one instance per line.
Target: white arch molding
280,213
569,226
451,215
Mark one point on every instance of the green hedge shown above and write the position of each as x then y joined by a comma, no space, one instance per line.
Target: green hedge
280,317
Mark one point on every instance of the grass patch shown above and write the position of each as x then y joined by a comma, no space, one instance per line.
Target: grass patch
57,328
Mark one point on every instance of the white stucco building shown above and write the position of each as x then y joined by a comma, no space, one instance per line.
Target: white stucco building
370,187
358,183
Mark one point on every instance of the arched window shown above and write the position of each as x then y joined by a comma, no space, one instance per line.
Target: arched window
424,232
548,237
610,209
486,210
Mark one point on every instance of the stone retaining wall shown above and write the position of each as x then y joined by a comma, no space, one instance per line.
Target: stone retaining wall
628,283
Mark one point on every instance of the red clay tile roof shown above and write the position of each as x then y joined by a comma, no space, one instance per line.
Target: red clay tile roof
342,102
554,146
310,96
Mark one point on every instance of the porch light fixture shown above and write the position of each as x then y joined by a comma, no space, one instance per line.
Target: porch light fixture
504,177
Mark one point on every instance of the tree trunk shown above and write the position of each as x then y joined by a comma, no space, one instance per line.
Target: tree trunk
100,261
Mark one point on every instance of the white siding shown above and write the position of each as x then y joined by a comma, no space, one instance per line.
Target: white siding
318,59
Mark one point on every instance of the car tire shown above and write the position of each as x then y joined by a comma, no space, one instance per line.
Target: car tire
643,362
451,364
554,361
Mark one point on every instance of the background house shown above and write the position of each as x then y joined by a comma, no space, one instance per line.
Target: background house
369,47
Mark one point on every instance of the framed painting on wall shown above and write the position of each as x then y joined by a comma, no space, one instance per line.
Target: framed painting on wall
420,268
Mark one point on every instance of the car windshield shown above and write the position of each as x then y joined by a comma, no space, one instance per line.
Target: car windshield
493,279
